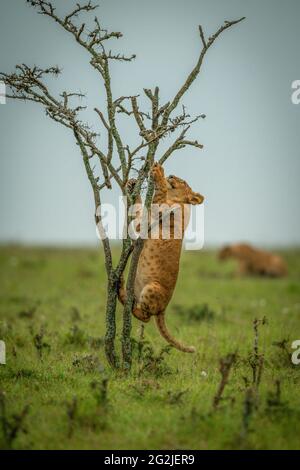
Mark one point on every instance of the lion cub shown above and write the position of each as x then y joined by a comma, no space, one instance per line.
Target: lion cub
158,264
255,262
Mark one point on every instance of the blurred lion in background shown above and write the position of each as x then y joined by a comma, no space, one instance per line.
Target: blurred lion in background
253,261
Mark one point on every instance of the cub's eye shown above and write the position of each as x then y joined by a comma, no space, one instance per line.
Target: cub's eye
171,181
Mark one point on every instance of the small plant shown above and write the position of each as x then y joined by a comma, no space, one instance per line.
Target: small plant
256,359
88,363
176,398
142,386
138,346
226,364
25,374
5,329
196,313
274,401
248,408
72,410
39,343
75,315
12,425
96,417
76,336
153,363
283,346
100,389
274,398
96,343
149,361
28,313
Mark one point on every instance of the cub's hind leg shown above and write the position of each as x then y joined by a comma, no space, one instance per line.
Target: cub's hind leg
152,300
122,291
136,310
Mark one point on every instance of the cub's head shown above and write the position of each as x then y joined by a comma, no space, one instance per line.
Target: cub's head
180,192
225,252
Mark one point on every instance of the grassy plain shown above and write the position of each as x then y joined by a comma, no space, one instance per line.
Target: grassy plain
57,391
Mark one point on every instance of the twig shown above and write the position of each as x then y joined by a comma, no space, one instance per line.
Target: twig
226,364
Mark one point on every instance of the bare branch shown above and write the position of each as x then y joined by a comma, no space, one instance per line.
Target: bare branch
138,116
26,85
154,98
112,176
79,8
97,200
195,72
94,39
179,143
110,140
120,57
111,111
121,108
202,37
193,143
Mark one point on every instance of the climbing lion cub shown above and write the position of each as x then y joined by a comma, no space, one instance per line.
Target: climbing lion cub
158,264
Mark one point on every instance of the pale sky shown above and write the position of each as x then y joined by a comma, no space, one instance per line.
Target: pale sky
249,168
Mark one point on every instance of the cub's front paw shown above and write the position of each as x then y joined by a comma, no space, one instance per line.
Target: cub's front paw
157,172
130,185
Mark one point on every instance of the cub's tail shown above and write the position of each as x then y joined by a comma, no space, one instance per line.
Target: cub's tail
161,325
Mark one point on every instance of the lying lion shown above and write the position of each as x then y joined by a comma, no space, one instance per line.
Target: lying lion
253,261
159,261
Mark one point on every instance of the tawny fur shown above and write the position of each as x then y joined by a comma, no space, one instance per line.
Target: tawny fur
158,264
254,262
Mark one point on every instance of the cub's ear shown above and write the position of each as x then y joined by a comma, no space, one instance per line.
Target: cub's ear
196,198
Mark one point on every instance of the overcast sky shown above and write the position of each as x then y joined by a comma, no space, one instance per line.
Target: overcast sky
249,168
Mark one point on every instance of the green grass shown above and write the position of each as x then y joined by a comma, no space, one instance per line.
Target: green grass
76,402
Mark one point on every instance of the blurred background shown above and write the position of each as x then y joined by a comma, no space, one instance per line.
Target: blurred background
249,168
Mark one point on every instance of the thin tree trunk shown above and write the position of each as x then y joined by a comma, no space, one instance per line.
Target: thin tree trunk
113,285
127,312
111,305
